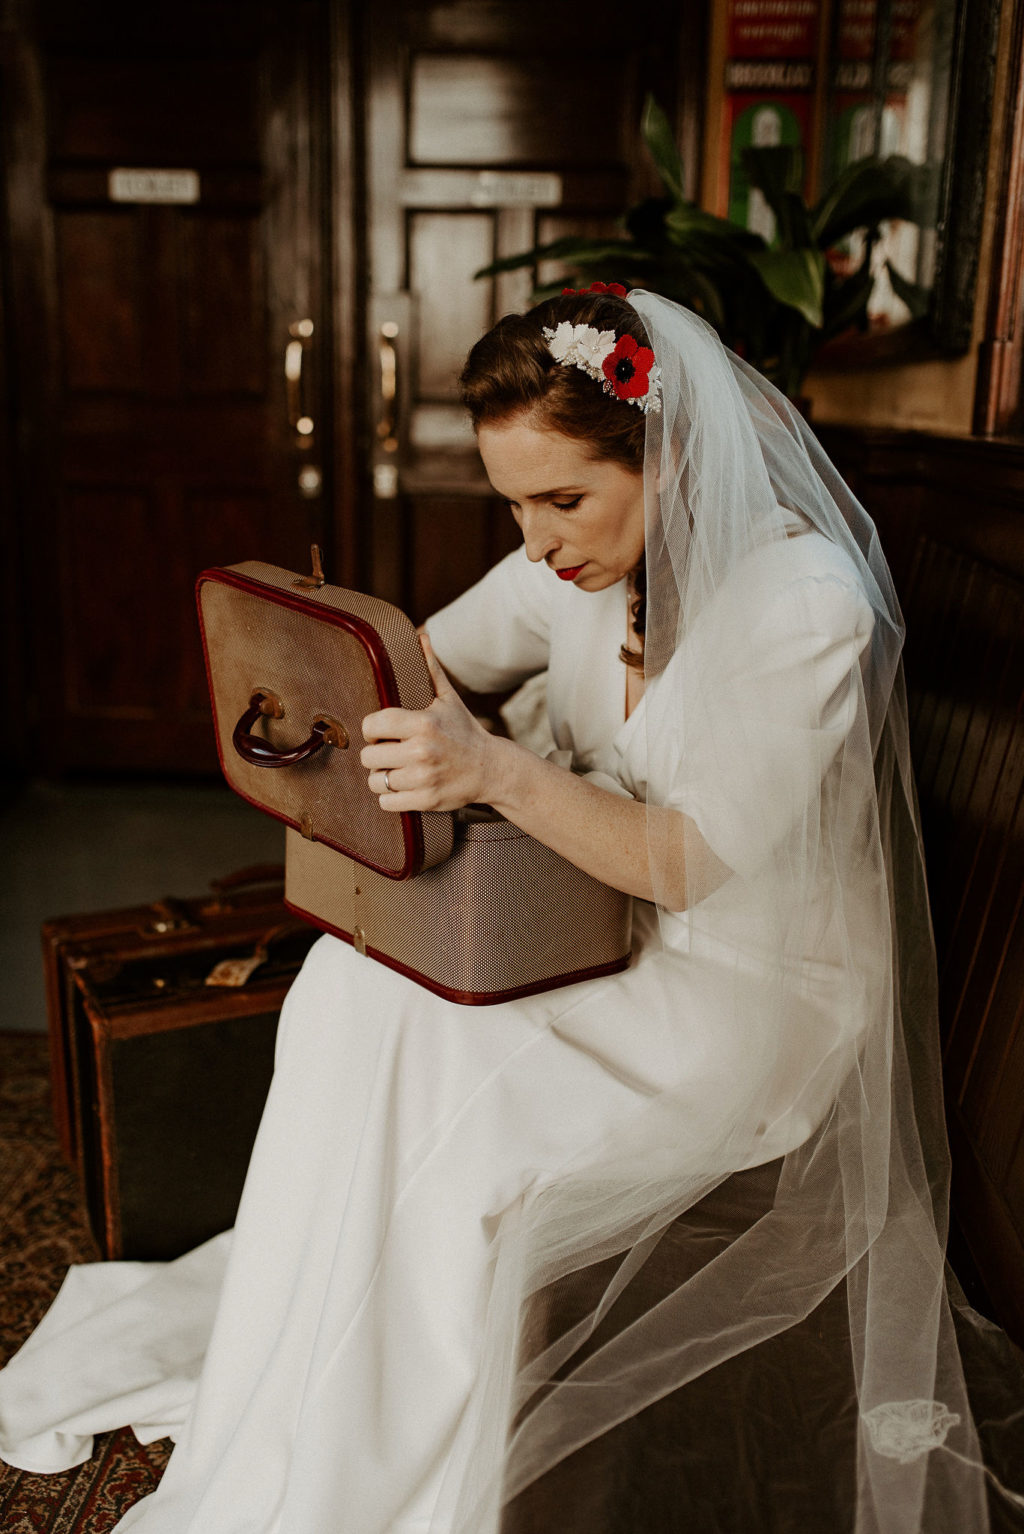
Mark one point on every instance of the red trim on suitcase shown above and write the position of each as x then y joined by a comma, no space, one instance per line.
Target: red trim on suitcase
467,998
387,688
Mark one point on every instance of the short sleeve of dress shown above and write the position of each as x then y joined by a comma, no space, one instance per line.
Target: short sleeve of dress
497,633
767,687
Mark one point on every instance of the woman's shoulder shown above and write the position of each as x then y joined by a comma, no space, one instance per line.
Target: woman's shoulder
788,601
801,577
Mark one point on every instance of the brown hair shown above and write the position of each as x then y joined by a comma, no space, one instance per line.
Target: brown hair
511,371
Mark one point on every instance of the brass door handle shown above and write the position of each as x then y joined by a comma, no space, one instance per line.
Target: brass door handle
388,353
301,332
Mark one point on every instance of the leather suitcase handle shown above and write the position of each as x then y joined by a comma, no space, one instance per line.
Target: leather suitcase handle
259,752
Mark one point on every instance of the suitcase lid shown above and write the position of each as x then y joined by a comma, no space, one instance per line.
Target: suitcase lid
294,666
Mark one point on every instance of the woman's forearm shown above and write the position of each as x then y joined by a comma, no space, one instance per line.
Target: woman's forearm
603,833
440,758
652,852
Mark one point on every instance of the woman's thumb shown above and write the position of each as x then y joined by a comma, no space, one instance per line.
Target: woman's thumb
437,673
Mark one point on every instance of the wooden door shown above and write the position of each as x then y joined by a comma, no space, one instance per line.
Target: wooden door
163,176
489,128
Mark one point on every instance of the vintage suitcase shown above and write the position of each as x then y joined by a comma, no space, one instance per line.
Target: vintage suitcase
172,1055
467,905
241,903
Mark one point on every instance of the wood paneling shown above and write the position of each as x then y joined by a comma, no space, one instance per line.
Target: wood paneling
167,110
451,534
440,243
149,343
951,516
116,646
540,110
470,105
100,279
223,297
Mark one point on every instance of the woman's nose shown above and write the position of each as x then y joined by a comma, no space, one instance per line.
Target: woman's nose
538,535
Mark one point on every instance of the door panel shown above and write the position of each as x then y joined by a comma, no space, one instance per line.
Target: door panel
163,436
471,109
489,128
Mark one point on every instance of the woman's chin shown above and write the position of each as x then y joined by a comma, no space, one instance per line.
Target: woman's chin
597,580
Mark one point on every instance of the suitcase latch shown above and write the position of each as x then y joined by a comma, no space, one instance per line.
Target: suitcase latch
316,580
359,940
306,825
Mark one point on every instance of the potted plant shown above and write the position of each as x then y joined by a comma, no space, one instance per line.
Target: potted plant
775,304
815,291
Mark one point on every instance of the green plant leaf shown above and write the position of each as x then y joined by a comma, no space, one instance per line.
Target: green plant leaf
846,302
777,173
660,140
687,220
796,278
917,299
573,249
871,190
646,222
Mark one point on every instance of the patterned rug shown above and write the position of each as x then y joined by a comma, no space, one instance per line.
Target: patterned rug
43,1229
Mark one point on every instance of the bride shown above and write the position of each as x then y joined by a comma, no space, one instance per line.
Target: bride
384,1345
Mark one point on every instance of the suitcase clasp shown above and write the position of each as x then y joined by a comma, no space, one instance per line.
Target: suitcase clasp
316,580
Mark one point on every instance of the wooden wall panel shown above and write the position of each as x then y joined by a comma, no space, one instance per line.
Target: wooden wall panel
149,341
116,652
222,294
515,110
488,125
450,535
165,107
950,514
452,315
103,326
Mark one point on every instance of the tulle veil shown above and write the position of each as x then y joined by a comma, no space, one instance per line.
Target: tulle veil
829,1194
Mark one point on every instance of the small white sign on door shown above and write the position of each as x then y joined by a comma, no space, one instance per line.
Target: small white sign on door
516,189
124,185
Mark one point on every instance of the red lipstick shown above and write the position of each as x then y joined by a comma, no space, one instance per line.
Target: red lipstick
570,573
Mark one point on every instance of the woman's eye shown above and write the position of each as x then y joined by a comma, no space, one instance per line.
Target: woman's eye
567,505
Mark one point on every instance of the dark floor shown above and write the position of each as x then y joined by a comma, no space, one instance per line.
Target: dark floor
70,847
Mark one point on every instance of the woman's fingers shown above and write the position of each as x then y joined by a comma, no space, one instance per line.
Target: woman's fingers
379,757
438,675
434,757
390,724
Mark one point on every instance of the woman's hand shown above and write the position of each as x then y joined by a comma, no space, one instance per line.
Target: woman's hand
437,758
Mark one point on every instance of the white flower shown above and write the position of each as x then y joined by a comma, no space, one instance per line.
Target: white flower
580,346
561,341
592,347
652,399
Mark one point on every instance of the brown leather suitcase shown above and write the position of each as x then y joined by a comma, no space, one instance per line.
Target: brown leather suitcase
171,1058
240,902
467,905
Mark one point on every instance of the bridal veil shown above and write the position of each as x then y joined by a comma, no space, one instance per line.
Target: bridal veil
823,1191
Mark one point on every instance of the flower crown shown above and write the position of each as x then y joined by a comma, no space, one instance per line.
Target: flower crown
620,364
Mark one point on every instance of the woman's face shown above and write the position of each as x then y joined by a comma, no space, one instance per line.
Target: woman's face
583,516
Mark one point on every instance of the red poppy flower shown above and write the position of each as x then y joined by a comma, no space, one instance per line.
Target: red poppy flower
616,290
628,369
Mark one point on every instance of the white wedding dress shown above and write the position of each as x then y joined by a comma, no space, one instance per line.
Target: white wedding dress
317,1365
